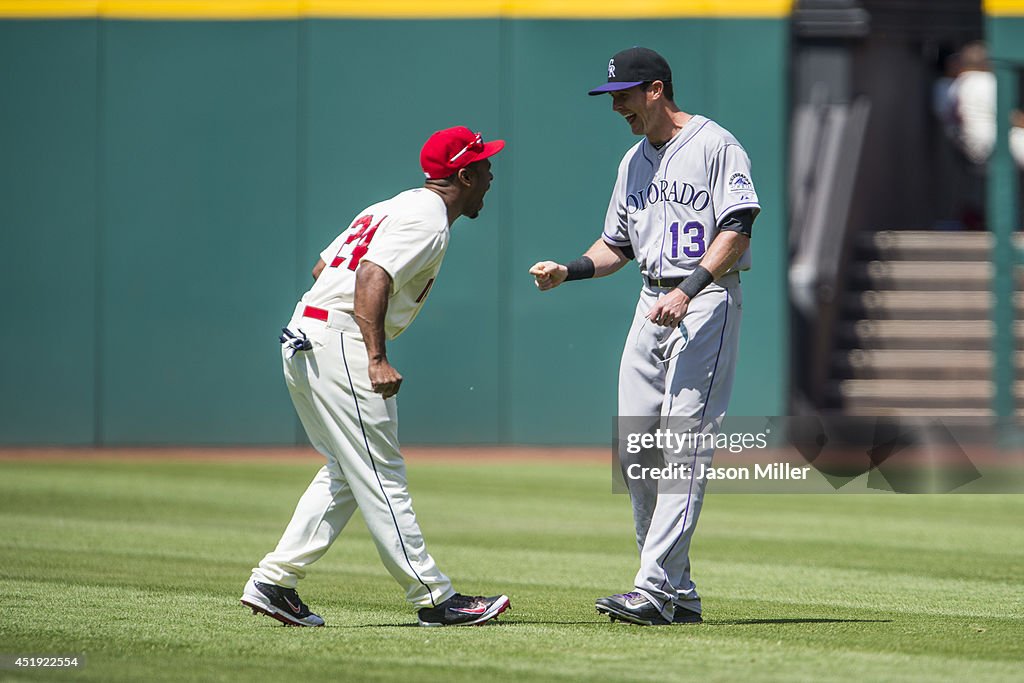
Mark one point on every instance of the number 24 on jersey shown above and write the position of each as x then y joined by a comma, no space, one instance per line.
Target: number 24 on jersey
358,241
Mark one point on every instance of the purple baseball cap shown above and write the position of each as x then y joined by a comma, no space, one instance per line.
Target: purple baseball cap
634,66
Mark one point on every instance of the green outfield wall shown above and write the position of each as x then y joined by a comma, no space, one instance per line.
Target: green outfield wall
166,186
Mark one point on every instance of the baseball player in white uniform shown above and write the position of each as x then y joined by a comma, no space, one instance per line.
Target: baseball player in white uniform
682,208
370,283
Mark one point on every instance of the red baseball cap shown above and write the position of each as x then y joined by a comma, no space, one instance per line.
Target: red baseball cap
451,149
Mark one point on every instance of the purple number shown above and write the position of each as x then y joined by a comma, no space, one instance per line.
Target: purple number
696,247
695,231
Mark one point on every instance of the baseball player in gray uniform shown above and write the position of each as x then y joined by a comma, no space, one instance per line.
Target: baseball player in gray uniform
370,283
682,208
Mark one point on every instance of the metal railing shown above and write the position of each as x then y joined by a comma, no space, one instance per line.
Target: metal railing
827,142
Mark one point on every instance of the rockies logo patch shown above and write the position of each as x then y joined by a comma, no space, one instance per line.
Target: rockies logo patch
739,182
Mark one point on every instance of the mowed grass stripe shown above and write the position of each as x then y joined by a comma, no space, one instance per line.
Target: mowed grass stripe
841,548
356,552
535,640
140,564
789,653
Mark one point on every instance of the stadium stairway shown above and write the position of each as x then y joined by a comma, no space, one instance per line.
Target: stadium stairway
915,328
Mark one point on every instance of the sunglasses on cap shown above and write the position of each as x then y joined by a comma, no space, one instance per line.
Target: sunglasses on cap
476,145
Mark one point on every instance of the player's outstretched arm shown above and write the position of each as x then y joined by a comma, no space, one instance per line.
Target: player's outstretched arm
373,284
605,258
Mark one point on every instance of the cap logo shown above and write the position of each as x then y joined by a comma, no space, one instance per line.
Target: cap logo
611,68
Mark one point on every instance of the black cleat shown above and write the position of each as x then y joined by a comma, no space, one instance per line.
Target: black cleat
636,609
463,610
686,616
280,603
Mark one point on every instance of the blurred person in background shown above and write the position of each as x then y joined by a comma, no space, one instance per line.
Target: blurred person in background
973,96
968,115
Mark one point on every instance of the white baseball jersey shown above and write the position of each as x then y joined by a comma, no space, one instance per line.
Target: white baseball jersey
351,424
407,236
668,203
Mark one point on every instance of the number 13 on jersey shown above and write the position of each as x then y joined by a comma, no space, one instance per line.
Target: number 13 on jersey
360,235
693,231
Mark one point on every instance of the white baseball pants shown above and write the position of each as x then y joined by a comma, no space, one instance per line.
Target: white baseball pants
357,431
667,373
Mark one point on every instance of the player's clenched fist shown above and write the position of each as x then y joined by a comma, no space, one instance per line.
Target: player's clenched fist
548,274
384,378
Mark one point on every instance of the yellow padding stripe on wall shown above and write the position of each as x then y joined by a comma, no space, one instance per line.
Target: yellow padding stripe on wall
1004,8
393,9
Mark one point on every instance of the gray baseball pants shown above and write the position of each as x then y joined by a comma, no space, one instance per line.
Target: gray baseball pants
671,373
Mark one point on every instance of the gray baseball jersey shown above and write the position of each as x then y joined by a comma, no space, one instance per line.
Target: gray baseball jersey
668,203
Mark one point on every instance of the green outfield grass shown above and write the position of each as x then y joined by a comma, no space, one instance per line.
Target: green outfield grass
139,565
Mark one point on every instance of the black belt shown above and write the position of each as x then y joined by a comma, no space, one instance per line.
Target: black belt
664,281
